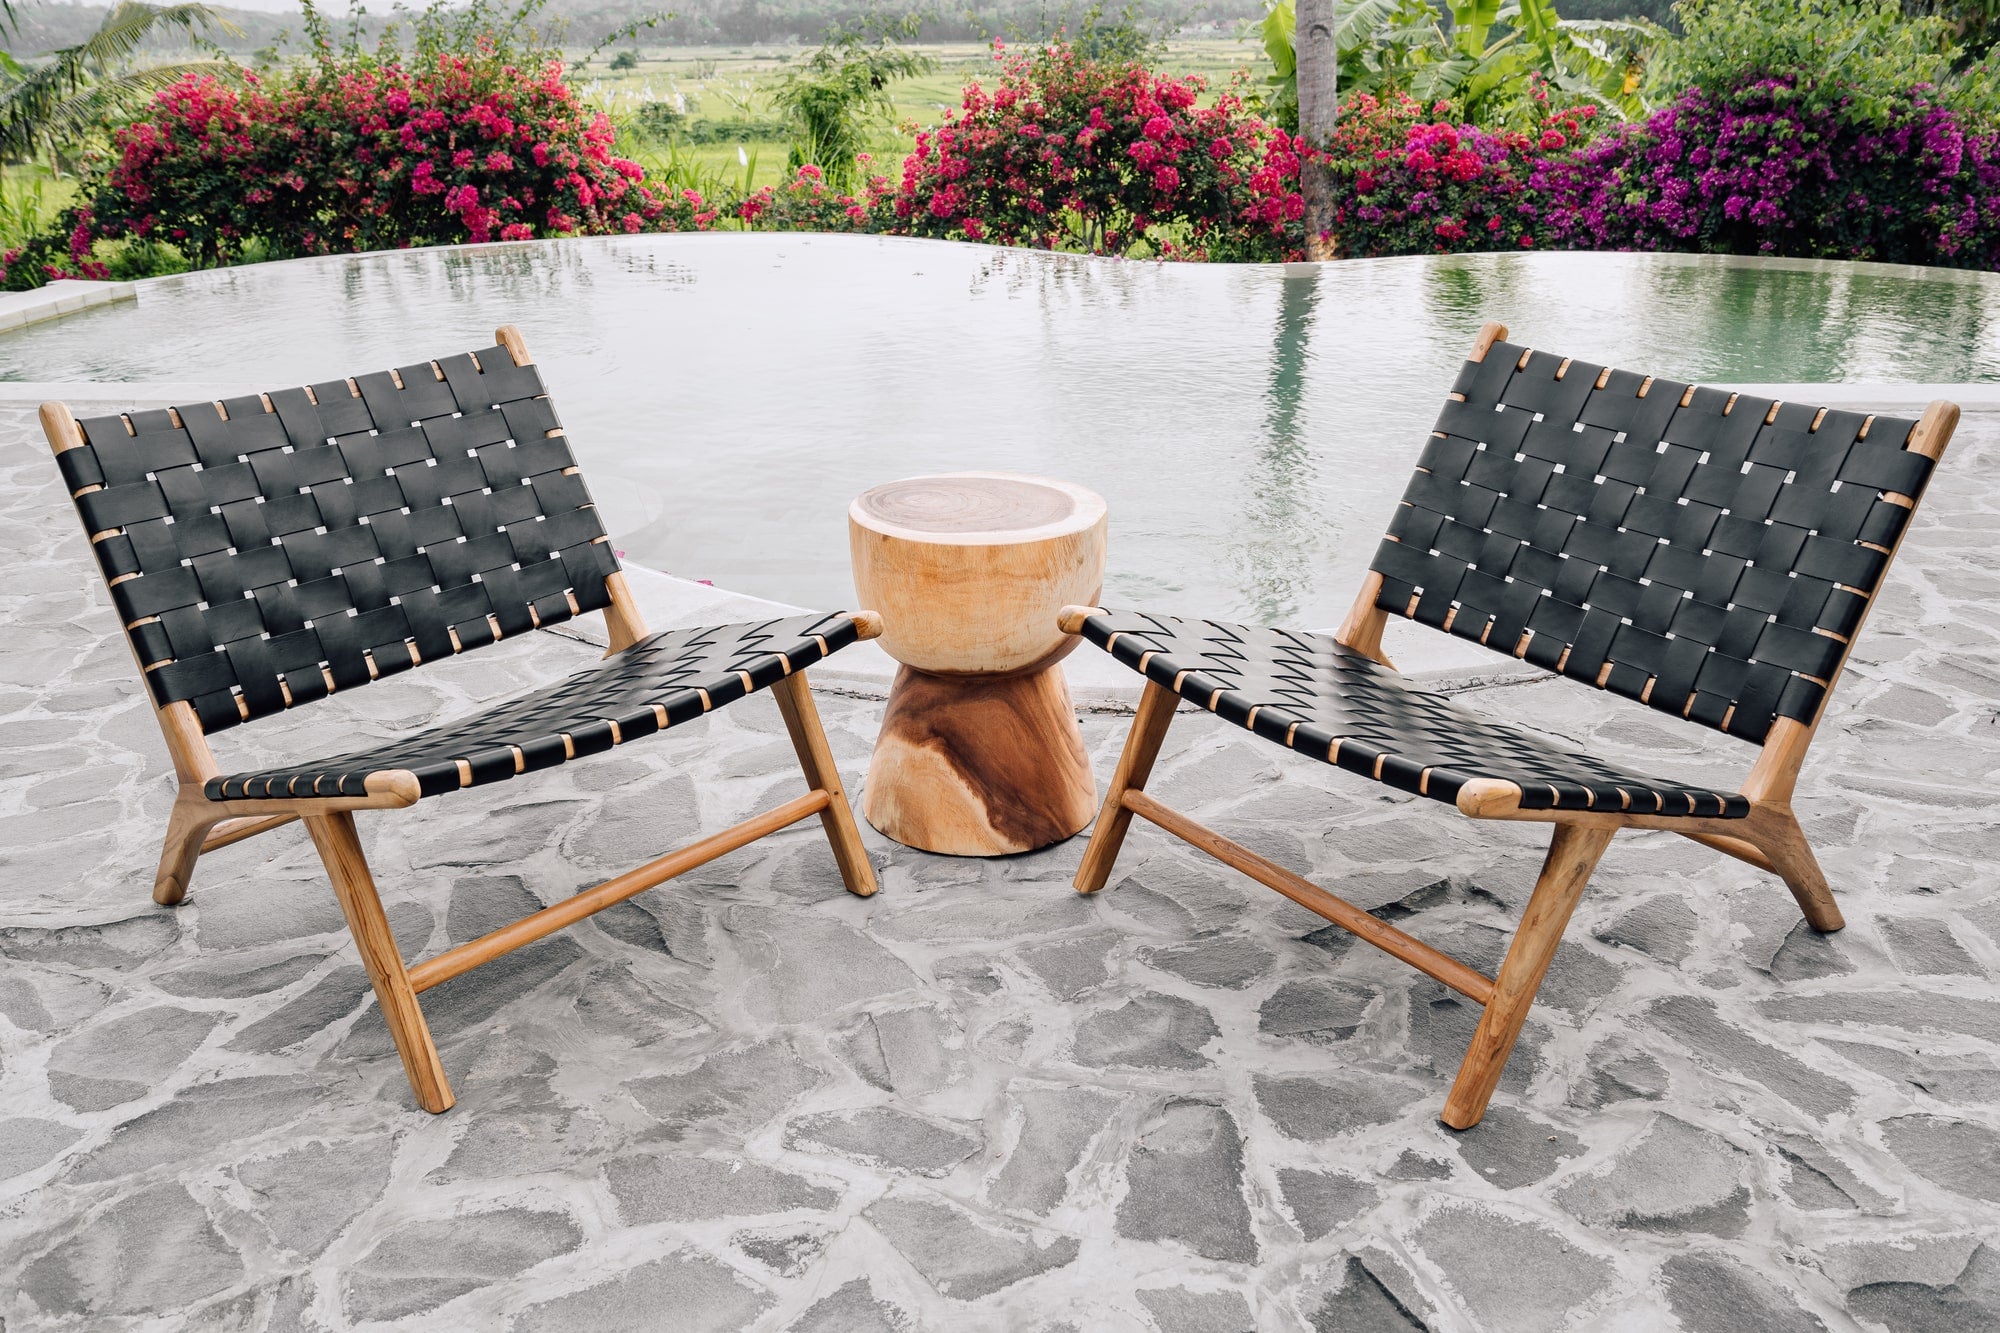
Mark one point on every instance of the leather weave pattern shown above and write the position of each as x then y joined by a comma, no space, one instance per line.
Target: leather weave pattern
1692,549
278,546
1307,692
661,681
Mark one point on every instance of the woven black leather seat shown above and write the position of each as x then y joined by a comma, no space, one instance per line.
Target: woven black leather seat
662,680
266,551
1704,553
1310,694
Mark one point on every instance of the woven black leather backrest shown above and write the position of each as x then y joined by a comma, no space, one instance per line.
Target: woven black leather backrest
260,549
1675,546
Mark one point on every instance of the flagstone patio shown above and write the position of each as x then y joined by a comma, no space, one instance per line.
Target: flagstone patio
978,1101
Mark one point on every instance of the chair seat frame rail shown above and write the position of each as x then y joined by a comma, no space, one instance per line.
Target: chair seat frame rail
1783,723
201,823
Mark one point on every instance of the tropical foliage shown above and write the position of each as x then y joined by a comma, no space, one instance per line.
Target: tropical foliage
1489,64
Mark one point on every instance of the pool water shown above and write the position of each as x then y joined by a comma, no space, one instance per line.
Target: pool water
1251,426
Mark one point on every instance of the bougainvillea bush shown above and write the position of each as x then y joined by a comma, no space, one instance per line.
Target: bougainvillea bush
1761,170
1078,153
358,153
1411,180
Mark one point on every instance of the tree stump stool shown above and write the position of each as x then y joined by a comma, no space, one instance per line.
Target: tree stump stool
979,753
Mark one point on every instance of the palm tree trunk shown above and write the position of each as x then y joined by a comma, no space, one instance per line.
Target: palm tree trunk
1319,101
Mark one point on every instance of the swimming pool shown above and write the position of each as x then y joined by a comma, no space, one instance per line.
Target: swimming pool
1250,425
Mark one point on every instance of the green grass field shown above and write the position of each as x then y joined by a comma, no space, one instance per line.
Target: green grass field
723,85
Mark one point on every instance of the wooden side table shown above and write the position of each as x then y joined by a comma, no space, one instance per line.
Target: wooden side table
979,753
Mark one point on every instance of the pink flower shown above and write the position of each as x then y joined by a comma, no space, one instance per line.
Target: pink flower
1166,179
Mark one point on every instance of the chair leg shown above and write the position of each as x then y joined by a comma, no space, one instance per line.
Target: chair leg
1572,856
1784,845
187,828
816,759
1135,765
340,850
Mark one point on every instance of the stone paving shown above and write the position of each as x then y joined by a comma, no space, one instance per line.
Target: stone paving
977,1101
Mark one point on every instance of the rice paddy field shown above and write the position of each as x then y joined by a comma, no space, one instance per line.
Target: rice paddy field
724,130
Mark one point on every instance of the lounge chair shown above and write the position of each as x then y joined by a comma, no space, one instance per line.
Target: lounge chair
1708,554
267,551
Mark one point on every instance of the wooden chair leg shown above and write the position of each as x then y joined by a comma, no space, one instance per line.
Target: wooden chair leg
816,758
1572,856
1784,845
1135,765
187,829
340,850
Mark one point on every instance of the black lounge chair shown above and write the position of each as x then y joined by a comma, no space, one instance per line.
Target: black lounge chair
1708,554
267,551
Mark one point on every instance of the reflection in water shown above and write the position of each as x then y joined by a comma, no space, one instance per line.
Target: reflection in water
1250,425
1280,536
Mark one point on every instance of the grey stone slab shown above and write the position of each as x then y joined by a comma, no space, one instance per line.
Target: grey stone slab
1184,1183
199,1119
508,1142
1674,1177
1057,1127
651,1188
614,1002
998,920
1616,1073
481,904
1731,1049
966,1257
26,1143
1807,955
44,1000
118,943
1509,1272
1152,1030
1071,967
307,1195
154,1250
1967,1303
1957,1155
888,1138
425,1263
1925,946
468,1002
787,1250
1906,1010
1440,1032
1511,1148
852,1308
1363,1303
241,912
1322,1107
729,1092
1711,1294
1223,962
121,1059
806,966
1321,1201
917,1048
1179,1310
224,976
1816,1178
327,1001
1317,1010
697,1293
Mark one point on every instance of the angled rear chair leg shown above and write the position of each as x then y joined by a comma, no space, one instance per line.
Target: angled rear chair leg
187,830
1784,845
822,774
1135,765
1572,856
340,849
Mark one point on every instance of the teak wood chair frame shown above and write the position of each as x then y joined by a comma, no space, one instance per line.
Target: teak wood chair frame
1769,837
199,824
